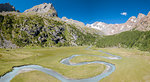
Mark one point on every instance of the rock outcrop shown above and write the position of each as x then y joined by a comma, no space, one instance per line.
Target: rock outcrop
7,43
144,23
71,21
141,23
6,7
45,9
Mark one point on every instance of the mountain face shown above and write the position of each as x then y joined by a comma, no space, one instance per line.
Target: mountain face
34,30
39,27
6,7
43,9
140,23
144,23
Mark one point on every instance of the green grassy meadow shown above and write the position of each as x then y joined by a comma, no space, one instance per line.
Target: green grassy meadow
133,67
35,76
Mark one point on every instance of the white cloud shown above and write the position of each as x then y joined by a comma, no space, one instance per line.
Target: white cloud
124,13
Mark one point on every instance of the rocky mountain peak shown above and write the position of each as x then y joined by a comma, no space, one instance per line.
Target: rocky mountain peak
132,19
6,7
141,23
144,23
43,9
140,15
148,14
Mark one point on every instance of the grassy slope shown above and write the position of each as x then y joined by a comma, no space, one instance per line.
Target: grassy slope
133,67
128,39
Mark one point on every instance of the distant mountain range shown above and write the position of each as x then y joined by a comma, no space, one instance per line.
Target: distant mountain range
41,26
141,23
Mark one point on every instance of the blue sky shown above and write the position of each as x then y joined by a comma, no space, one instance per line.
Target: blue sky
89,11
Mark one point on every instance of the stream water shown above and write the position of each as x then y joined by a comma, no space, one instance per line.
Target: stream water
109,69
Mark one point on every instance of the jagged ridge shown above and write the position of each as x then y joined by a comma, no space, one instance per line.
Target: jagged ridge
140,23
43,9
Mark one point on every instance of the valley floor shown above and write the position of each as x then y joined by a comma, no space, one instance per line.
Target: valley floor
133,67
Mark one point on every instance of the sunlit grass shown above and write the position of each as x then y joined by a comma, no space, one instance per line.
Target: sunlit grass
35,76
133,67
49,58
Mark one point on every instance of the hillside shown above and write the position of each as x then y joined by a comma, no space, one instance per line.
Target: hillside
34,30
37,28
128,39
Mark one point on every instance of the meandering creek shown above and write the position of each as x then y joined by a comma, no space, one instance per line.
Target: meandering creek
109,69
